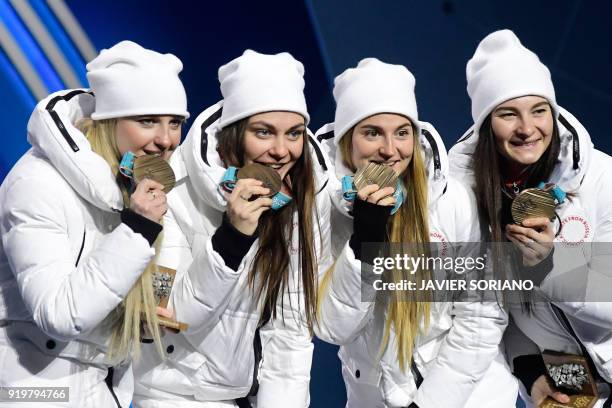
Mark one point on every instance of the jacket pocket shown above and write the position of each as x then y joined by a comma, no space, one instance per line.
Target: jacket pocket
75,349
358,363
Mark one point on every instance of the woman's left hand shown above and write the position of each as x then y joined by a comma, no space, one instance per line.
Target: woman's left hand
534,238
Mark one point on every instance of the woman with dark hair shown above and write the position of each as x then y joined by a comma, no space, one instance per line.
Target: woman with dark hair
77,255
247,249
400,349
523,143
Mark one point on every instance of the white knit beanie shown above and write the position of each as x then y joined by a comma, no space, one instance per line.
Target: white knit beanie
502,69
129,80
371,88
255,83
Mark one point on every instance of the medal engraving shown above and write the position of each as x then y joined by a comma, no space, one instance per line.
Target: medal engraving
383,176
269,177
532,203
154,168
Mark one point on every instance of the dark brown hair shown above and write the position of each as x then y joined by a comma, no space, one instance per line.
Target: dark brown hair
488,167
270,267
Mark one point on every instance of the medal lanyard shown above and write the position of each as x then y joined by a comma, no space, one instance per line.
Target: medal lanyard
512,188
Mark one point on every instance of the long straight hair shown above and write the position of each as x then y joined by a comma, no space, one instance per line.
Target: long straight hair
408,227
269,272
488,167
487,164
125,320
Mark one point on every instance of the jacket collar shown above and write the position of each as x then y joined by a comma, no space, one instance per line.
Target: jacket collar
52,131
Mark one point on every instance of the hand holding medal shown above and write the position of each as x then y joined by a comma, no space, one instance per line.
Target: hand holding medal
269,177
376,183
152,178
533,210
163,279
251,189
568,383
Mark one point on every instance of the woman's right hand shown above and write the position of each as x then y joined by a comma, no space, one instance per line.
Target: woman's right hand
541,389
376,195
149,200
244,213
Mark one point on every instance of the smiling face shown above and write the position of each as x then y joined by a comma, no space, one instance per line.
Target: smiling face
386,139
274,139
149,134
523,129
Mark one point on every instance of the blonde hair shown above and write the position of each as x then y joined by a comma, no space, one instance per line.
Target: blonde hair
409,229
125,320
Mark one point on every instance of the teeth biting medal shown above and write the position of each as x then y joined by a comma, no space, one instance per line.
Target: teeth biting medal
268,176
373,173
383,176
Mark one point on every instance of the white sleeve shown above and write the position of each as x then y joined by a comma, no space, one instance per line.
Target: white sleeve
474,338
583,291
202,289
342,311
57,293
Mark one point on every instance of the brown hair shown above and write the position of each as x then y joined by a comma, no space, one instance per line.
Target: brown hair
270,267
487,164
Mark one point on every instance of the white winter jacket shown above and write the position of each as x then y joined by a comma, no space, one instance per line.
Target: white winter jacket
214,359
583,248
458,357
66,260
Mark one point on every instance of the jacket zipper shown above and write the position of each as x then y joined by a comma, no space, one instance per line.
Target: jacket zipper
109,377
418,378
80,250
434,148
564,321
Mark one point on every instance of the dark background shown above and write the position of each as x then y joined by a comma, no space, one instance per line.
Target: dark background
434,39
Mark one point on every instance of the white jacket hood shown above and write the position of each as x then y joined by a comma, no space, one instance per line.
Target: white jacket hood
575,154
52,132
204,166
436,162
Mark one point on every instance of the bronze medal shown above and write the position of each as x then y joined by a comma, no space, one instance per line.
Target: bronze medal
154,168
570,374
383,176
163,279
270,177
532,203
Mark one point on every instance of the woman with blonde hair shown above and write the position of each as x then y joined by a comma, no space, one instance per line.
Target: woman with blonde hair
78,238
401,349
